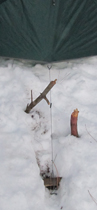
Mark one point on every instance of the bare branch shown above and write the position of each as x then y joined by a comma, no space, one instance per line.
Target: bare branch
42,96
92,197
31,96
90,134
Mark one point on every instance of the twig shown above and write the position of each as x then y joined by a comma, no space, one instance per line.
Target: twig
31,97
47,100
92,197
90,134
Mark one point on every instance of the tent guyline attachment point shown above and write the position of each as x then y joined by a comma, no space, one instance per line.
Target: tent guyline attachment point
49,66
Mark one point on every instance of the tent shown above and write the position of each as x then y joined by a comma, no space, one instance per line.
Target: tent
48,30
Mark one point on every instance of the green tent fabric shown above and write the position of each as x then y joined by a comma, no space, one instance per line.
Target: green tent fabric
48,30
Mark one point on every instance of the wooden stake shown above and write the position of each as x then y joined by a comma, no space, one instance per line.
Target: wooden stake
74,117
42,96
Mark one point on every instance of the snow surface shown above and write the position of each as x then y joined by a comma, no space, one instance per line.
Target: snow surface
25,139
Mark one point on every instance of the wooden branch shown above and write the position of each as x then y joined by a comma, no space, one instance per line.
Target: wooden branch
31,96
47,100
42,96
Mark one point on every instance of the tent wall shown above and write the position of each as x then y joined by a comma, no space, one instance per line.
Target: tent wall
39,30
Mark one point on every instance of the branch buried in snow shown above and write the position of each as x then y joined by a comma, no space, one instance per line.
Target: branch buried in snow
74,117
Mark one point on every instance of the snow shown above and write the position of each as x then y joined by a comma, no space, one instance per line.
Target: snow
25,139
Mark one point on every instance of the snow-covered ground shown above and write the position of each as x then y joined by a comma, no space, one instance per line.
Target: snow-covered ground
25,139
